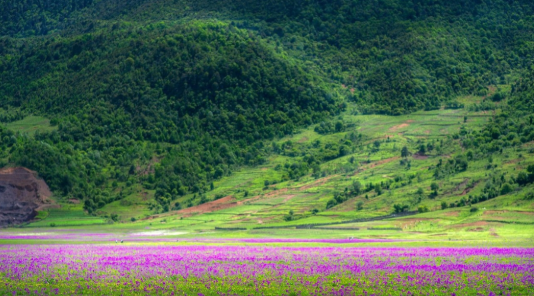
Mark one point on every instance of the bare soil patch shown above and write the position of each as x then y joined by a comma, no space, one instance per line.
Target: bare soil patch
302,140
513,161
316,183
397,127
496,212
375,164
473,224
466,190
452,214
212,206
464,183
419,156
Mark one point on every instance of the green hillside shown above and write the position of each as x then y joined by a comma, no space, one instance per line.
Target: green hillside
246,114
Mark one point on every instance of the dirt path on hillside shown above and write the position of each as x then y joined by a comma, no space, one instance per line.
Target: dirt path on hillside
212,206
375,164
316,183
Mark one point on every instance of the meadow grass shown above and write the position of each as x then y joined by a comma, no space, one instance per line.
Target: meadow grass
31,124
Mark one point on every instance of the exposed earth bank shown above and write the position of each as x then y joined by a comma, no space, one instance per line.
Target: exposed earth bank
22,193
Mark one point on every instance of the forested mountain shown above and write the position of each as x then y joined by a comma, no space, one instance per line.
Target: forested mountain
192,90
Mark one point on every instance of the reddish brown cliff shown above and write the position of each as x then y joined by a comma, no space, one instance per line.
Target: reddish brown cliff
22,193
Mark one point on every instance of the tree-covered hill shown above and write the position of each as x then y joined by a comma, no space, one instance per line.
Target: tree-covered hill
174,94
205,90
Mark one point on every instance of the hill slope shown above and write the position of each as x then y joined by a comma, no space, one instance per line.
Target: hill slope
160,101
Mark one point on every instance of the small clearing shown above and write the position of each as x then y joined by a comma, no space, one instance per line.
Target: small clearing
419,156
302,140
397,127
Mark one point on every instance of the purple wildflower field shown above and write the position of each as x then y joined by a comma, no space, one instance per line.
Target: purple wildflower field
163,269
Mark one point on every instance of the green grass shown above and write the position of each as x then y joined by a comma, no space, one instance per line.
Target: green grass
31,124
134,205
66,216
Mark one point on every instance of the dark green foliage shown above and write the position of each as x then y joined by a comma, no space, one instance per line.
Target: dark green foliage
378,189
203,114
422,149
405,152
328,127
400,208
420,191
422,209
497,97
290,216
340,197
175,105
434,186
506,188
177,206
524,178
32,17
359,206
473,209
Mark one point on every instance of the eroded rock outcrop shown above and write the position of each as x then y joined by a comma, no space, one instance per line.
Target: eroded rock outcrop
22,193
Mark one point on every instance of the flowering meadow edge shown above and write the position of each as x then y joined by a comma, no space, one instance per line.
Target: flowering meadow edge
246,270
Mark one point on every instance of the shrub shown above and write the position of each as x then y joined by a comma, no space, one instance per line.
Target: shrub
506,188
289,216
400,208
422,209
473,209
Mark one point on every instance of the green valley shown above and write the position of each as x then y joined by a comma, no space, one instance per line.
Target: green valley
376,119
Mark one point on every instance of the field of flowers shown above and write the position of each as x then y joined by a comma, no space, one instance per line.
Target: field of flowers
258,270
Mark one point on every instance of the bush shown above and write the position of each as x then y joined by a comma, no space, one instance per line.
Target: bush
506,188
289,216
444,205
400,208
359,206
422,209
177,206
473,209
133,219
52,224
